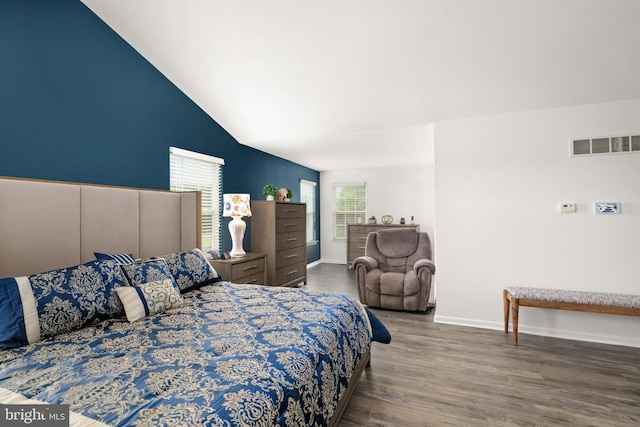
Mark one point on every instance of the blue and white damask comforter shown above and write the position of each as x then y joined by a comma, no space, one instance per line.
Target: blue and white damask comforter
231,355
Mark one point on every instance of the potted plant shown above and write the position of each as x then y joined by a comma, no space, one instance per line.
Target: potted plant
372,219
269,191
289,195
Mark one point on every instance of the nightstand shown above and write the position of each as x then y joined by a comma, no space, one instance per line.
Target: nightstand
251,268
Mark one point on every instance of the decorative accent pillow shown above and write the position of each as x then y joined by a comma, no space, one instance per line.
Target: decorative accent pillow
119,258
145,271
57,301
149,299
191,269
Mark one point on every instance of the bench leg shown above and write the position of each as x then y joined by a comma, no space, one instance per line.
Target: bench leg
514,317
505,297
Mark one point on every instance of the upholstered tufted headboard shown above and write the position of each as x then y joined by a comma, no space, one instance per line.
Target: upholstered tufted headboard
45,225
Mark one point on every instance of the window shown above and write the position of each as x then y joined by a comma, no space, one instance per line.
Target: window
308,196
349,207
191,171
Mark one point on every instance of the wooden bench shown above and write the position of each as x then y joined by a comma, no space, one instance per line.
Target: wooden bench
595,302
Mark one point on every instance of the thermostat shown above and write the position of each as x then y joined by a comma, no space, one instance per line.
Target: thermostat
567,207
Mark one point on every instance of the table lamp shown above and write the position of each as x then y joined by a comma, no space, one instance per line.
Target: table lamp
236,206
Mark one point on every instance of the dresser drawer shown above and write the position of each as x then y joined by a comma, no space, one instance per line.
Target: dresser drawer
285,210
290,240
286,225
290,273
356,229
357,247
247,268
291,256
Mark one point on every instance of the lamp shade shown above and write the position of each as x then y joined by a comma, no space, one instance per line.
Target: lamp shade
236,205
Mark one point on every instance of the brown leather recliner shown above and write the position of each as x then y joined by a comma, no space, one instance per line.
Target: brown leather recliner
396,270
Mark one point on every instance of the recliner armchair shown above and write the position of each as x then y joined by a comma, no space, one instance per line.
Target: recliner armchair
396,270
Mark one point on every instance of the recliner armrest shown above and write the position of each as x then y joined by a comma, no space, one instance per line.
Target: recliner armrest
424,263
366,261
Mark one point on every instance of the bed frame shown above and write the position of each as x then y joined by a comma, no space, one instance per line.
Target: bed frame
46,225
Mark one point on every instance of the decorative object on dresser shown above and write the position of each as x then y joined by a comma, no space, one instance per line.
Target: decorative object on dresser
251,268
236,206
269,191
386,219
357,237
279,229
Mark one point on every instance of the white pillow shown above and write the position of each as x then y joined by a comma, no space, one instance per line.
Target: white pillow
148,299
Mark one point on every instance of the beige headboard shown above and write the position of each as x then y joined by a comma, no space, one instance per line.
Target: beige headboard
45,225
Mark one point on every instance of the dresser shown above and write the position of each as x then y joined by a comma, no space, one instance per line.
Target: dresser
279,229
357,237
251,268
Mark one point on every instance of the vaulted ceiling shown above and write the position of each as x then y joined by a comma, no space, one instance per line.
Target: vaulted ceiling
336,84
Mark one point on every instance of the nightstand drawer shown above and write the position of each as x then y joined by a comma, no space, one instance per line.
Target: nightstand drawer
254,279
247,268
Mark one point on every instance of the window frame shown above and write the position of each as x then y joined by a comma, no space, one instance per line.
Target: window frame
308,195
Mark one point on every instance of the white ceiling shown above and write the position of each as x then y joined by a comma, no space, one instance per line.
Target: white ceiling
338,84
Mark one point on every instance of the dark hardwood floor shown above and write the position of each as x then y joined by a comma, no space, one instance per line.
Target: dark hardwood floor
442,375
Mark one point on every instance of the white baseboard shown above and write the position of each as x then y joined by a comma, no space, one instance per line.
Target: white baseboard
314,263
332,261
545,332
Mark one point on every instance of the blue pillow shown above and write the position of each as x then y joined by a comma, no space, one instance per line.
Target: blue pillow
191,269
146,271
46,304
380,332
12,324
119,258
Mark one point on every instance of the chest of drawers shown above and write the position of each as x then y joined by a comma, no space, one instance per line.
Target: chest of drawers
279,230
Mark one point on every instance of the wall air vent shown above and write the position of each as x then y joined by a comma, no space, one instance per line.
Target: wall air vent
605,145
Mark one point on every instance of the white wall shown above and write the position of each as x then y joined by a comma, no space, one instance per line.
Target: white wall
499,181
399,192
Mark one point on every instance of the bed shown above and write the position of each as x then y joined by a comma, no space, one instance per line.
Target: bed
160,340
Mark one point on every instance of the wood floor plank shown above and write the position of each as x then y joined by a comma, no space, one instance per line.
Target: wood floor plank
445,375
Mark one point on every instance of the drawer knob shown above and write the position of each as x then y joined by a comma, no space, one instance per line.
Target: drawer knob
292,256
293,239
292,272
250,268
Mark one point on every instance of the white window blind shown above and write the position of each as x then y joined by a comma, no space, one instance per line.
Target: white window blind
308,196
191,171
350,205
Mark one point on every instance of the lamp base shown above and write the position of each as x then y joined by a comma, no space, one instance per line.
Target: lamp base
236,228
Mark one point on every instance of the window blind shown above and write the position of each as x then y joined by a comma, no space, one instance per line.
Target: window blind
191,171
350,205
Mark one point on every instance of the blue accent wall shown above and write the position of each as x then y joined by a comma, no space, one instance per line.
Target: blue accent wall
77,103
